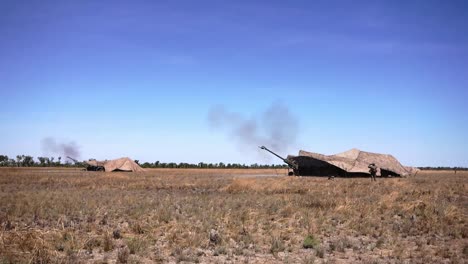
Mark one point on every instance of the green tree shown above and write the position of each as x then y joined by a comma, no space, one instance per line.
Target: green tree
42,161
19,160
50,161
3,160
28,161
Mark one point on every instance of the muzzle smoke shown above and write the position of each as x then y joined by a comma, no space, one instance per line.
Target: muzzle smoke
276,128
50,145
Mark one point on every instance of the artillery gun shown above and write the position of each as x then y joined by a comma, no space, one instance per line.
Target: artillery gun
292,164
91,165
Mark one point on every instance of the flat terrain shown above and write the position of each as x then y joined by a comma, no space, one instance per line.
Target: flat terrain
51,215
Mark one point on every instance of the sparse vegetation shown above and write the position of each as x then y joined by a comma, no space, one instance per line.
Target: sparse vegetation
209,215
310,242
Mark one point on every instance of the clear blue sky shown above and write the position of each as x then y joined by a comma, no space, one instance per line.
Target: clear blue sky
138,78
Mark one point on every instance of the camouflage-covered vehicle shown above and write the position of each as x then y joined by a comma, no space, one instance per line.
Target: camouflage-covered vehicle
90,165
351,163
120,164
292,164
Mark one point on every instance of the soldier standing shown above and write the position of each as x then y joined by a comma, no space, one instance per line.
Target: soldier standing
372,171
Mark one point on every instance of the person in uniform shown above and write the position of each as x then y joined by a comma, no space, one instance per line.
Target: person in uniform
372,171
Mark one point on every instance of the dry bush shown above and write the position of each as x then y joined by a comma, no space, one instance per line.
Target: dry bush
137,245
107,243
123,254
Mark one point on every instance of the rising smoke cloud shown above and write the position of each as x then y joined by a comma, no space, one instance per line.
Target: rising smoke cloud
51,146
276,128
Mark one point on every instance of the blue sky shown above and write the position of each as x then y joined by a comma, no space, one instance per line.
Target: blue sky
138,78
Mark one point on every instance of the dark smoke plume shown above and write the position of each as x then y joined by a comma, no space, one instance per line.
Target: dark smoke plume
276,128
50,145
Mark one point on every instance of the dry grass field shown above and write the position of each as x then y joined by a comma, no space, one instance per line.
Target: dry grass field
230,216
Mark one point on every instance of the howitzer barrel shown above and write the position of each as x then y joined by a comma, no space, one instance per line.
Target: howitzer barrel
292,164
74,160
265,148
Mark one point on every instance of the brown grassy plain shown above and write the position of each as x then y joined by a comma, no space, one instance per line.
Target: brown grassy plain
166,215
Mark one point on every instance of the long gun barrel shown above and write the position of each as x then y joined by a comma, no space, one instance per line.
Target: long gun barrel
265,148
97,166
74,160
292,164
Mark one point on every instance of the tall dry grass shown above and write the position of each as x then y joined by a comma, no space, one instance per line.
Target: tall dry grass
167,215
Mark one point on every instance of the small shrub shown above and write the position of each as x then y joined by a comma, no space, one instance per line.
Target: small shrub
310,242
220,251
380,242
164,215
116,234
108,244
215,238
59,247
91,244
122,255
136,245
277,245
185,255
41,256
137,228
320,252
104,220
341,244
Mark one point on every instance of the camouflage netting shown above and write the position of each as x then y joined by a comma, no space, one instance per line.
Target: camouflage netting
122,164
348,163
412,170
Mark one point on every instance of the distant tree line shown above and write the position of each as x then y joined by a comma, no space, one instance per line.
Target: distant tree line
444,168
28,161
220,165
